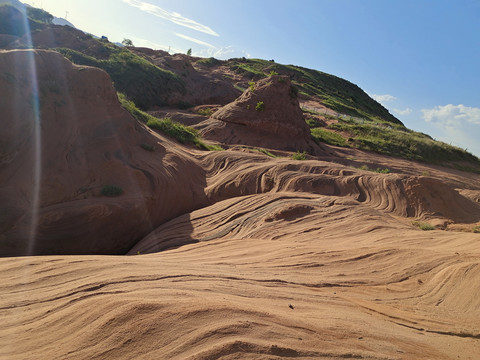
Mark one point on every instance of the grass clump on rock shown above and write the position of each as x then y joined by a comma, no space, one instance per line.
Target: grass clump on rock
299,156
424,225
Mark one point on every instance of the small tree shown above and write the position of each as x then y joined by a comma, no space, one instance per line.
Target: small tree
189,52
127,42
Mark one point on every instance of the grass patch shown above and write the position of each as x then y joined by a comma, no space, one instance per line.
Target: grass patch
299,156
377,170
210,62
312,123
476,229
130,106
264,151
205,112
239,88
423,225
111,190
184,134
329,137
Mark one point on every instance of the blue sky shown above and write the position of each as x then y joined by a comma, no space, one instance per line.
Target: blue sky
419,58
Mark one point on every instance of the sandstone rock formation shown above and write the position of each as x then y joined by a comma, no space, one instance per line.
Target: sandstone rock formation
267,113
64,138
200,88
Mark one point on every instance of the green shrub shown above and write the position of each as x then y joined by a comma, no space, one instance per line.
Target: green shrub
299,156
423,225
312,123
377,170
111,190
260,106
476,229
205,112
251,86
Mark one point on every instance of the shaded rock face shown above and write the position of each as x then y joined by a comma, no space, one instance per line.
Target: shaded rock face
64,139
268,109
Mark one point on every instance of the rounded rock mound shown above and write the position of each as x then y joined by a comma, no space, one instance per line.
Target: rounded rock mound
267,114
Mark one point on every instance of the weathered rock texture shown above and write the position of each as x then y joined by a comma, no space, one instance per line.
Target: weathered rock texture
64,138
267,113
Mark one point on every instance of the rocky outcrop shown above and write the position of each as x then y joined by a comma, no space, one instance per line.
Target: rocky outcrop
76,177
200,88
267,114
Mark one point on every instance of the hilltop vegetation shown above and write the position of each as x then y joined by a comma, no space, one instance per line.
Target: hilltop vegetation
144,83
390,139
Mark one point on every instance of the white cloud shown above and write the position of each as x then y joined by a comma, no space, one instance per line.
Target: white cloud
155,46
223,52
383,98
403,112
170,16
200,42
451,115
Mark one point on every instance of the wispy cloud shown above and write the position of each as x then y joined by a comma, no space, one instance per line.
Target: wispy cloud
223,52
197,41
170,16
403,112
152,45
452,114
383,98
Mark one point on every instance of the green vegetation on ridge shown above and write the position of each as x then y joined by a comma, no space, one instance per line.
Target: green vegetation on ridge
391,139
396,140
146,84
184,134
